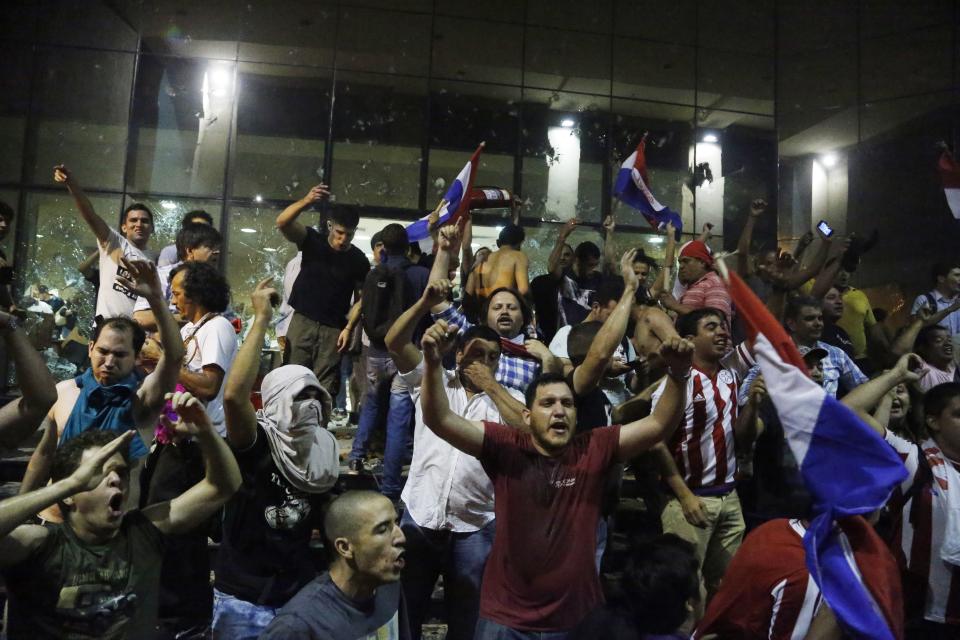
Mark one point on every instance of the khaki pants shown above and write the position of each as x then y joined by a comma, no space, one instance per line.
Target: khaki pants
314,346
717,542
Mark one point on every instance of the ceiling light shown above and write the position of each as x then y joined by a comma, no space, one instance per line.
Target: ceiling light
655,240
567,123
828,160
258,198
166,204
248,230
710,138
220,77
270,249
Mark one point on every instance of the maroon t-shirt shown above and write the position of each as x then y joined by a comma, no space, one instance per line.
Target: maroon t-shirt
541,575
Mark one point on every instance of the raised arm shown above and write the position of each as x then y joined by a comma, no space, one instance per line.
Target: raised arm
17,541
554,268
863,398
447,239
220,481
144,282
664,278
21,417
588,375
637,437
399,338
291,228
747,427
463,434
41,460
903,343
239,416
466,253
97,224
757,208
609,246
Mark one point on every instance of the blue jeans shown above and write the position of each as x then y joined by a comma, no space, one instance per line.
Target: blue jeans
460,557
490,630
386,391
236,619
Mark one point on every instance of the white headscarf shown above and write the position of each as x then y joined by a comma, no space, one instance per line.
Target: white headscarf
304,451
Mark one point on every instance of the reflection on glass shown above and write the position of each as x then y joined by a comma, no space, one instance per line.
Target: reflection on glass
378,133
567,60
673,20
10,197
653,70
456,43
59,240
182,113
257,250
564,142
735,81
87,24
206,29
282,123
383,41
302,33
82,100
906,63
15,65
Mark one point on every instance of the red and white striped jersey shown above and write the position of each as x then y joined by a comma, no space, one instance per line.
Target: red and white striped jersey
702,445
931,585
767,591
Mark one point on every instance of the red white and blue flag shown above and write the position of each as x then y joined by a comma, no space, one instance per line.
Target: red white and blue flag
457,198
633,188
847,467
950,176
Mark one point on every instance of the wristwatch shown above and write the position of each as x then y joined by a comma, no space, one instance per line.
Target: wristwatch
679,377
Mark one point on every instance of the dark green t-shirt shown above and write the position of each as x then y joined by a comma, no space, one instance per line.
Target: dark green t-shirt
75,591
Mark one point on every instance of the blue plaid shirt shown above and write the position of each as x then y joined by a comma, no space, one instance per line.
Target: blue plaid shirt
837,367
513,372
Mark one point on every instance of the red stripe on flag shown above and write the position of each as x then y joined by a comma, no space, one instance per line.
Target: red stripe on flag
640,164
759,320
464,208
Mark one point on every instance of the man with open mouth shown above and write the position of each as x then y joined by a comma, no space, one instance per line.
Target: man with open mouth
548,481
360,597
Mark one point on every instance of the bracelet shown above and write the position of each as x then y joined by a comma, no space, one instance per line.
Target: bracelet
673,374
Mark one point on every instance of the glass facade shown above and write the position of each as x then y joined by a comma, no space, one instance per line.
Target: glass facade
239,107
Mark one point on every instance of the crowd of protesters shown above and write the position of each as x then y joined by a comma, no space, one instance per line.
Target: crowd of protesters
519,404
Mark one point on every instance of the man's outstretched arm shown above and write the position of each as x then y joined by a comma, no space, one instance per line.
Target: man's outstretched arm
463,434
399,338
97,224
221,480
21,417
239,416
287,222
637,437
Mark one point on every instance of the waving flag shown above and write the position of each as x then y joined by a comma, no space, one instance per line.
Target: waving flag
847,467
456,197
632,188
950,176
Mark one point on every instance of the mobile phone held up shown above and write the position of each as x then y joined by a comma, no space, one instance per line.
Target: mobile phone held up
824,228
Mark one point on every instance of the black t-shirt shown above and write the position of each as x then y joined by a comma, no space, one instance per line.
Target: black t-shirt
838,337
544,291
265,554
70,589
327,280
185,590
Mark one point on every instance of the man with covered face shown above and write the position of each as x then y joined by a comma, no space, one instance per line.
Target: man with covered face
288,461
97,574
540,576
449,518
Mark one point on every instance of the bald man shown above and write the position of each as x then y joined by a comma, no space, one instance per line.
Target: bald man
360,596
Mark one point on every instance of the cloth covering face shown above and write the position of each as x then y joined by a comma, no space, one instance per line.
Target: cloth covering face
302,448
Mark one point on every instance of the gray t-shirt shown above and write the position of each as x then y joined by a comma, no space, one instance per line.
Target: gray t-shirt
320,611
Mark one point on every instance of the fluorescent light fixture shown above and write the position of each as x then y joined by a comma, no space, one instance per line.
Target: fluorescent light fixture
166,204
258,198
567,123
220,77
270,249
248,230
710,138
39,235
655,240
828,160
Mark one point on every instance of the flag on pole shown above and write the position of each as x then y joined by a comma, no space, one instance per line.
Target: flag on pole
633,188
950,176
847,467
457,200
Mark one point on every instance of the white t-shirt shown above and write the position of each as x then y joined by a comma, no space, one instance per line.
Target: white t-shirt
164,274
112,299
215,343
